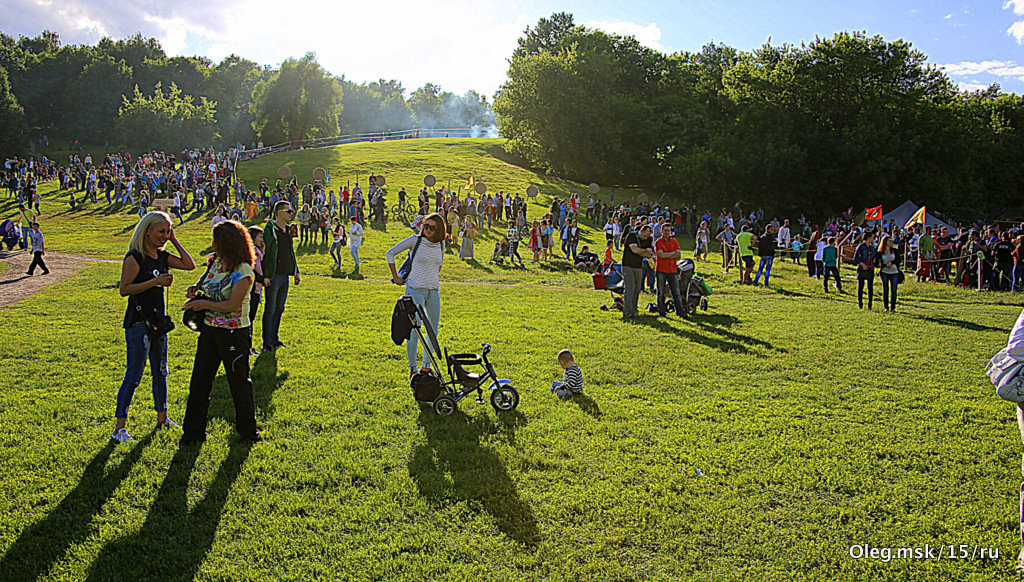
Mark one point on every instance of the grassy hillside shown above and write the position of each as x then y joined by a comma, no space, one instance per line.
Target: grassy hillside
759,441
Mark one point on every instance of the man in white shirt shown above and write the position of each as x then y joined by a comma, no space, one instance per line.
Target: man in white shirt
784,237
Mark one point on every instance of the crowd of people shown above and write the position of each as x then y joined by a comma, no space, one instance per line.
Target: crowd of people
258,264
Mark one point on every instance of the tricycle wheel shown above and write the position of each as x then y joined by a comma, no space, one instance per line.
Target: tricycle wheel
445,405
504,398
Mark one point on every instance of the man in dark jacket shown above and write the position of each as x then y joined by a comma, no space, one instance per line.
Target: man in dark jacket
864,256
278,265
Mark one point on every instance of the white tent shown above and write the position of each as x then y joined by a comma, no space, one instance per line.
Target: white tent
905,211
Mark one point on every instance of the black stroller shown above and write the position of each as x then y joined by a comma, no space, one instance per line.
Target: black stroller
9,234
694,290
444,394
608,277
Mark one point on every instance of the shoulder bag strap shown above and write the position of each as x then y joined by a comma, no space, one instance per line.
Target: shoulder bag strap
412,255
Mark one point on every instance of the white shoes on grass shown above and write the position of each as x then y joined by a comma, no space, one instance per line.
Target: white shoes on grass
121,435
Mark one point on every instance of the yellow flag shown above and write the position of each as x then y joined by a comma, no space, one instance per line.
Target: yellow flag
470,183
917,218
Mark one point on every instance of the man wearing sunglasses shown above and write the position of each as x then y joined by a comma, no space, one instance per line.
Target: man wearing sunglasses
278,265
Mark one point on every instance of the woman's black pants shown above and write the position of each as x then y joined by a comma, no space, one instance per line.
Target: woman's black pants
230,347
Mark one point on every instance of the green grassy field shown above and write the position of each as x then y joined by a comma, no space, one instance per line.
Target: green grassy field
759,441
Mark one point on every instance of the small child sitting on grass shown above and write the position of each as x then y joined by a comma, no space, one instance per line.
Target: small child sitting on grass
572,378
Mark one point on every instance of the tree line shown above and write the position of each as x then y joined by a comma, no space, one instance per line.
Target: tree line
838,122
129,92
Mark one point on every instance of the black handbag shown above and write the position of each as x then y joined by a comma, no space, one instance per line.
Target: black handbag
194,318
156,325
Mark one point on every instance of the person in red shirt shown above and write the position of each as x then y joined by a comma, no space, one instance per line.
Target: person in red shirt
666,249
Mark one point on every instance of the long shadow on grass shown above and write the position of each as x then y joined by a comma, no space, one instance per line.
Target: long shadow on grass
453,466
730,342
478,265
174,540
968,325
788,293
45,542
310,249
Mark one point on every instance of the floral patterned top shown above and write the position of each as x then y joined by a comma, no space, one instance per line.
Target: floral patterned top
216,284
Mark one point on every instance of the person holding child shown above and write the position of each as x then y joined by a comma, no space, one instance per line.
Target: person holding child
572,377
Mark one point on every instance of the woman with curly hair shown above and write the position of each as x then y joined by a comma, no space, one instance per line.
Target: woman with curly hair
224,337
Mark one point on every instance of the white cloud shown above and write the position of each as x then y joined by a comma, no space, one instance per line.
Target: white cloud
994,68
1017,31
971,87
458,44
649,35
971,68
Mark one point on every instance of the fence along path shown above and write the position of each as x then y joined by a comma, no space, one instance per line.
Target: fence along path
415,133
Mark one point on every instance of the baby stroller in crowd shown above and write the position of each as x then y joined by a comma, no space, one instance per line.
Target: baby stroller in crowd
432,387
694,289
9,234
608,277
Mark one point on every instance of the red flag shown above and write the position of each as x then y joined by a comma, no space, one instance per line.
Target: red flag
873,213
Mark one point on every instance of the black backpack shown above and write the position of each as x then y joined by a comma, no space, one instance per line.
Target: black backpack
425,387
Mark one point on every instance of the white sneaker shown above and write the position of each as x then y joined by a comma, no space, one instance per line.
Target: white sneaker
169,424
121,435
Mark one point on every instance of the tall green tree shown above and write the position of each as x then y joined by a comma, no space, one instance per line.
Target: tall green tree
12,118
577,103
302,101
376,106
231,84
94,98
169,120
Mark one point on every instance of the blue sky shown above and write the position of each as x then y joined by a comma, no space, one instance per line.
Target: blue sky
464,44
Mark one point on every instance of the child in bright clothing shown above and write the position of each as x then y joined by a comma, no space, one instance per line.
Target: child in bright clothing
797,247
572,378
830,258
608,258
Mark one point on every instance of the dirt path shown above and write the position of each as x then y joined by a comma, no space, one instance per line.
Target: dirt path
15,285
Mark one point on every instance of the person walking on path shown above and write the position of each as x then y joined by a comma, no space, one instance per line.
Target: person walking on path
38,250
355,240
